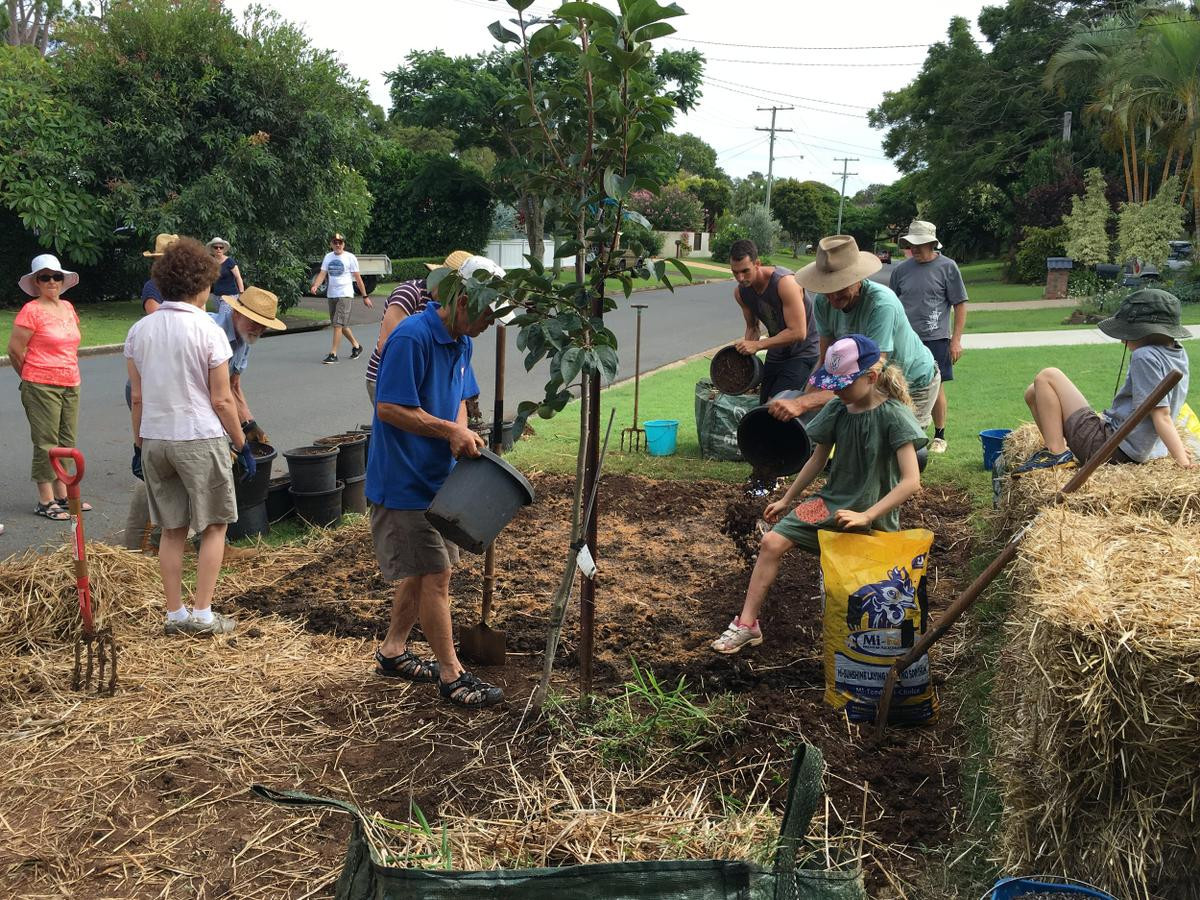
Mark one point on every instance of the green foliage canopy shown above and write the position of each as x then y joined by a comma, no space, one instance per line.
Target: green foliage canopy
803,210
1087,223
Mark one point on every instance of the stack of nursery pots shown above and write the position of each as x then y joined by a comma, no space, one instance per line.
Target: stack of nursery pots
315,491
279,499
252,496
351,468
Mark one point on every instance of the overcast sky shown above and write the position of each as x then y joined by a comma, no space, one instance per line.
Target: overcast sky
831,89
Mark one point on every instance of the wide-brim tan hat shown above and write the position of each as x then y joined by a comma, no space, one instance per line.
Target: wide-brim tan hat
920,232
838,265
454,261
259,306
218,242
46,262
161,243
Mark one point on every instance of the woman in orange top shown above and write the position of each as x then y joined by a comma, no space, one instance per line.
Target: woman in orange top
44,351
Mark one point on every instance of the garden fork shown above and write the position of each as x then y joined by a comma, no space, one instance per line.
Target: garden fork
635,435
100,646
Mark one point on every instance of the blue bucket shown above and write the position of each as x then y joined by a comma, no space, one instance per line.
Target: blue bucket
660,436
1015,888
993,443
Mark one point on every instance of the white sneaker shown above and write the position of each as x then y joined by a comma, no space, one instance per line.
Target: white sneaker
937,445
219,625
736,636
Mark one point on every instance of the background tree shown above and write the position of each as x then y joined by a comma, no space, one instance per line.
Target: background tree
1087,223
1143,229
804,211
898,206
747,191
713,194
671,209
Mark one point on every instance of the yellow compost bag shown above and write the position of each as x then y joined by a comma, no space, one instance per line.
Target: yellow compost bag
1189,423
875,608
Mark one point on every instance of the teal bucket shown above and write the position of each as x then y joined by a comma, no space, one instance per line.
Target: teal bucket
660,436
993,443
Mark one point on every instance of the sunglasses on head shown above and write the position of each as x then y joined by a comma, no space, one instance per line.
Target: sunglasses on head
50,276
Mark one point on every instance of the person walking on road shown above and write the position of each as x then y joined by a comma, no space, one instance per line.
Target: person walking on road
848,302
229,280
769,296
419,429
184,424
44,351
340,267
930,286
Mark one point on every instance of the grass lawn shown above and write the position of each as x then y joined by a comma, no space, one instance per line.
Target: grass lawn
986,393
983,320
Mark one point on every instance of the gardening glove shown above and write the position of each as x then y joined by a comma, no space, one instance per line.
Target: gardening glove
244,464
135,464
254,432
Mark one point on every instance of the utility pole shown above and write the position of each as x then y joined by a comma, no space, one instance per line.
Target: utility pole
845,161
771,152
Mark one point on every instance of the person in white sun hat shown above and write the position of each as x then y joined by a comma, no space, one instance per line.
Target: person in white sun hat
930,286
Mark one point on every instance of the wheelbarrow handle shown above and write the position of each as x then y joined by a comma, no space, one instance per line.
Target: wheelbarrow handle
60,453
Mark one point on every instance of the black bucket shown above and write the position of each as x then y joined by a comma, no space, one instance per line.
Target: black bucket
320,508
313,469
477,500
252,520
773,447
735,373
366,429
352,453
279,498
254,492
506,436
354,495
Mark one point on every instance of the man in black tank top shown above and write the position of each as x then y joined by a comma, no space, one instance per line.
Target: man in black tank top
769,296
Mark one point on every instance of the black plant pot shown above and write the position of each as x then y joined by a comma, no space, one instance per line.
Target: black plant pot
320,508
313,469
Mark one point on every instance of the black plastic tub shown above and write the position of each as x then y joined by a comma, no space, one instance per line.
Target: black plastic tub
279,499
366,429
254,492
252,520
352,453
773,448
313,469
354,495
320,508
735,373
477,500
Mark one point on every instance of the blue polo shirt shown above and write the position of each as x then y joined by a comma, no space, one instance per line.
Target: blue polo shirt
423,366
241,348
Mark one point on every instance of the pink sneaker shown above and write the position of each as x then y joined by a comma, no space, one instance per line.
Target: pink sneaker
737,636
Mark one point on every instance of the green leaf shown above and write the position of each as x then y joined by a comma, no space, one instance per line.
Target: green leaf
567,248
592,12
520,5
617,186
503,35
608,362
656,30
679,264
543,40
570,363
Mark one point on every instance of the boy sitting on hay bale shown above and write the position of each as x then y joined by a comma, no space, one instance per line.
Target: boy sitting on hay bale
1148,321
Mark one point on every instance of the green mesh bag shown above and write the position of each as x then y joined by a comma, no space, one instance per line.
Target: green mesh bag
364,878
717,418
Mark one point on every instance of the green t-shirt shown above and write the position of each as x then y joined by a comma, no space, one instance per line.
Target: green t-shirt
880,316
864,466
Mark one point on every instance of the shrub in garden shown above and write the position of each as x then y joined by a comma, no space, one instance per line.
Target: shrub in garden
1144,229
651,241
1084,282
761,227
724,239
1087,223
671,209
412,267
1029,264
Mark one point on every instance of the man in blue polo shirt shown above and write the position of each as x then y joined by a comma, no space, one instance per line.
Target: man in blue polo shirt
420,427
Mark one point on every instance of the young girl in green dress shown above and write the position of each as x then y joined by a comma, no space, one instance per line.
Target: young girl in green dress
872,425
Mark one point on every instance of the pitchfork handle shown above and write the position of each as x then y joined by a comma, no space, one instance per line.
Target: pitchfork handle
71,481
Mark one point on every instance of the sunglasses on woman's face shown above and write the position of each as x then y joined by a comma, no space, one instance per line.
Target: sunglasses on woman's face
45,277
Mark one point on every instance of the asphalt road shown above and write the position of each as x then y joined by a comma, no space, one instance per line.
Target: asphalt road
297,399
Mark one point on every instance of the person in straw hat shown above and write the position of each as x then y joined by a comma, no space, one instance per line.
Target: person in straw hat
151,295
243,319
929,286
848,302
340,266
1148,321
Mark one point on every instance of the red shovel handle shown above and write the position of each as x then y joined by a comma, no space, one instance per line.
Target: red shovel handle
71,481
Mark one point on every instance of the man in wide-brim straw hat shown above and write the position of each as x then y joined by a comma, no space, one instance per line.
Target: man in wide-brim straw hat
848,302
244,318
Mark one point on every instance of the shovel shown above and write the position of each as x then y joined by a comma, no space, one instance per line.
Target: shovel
481,643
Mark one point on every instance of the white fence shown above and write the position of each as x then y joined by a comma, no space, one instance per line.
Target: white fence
510,254
697,241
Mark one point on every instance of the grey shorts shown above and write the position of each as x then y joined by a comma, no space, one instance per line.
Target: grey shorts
339,310
407,545
189,483
923,399
1086,431
371,391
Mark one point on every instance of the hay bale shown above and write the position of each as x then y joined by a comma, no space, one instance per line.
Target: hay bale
1097,724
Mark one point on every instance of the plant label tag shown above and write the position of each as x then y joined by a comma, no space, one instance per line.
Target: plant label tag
586,564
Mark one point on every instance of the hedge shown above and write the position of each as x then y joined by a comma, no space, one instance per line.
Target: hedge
412,267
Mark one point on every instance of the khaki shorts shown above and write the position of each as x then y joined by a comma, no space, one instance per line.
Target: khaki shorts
339,310
923,399
1086,431
407,545
189,483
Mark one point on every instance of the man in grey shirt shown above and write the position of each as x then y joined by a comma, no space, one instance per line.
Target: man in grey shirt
929,286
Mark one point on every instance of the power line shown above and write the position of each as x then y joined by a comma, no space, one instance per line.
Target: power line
789,96
814,65
833,112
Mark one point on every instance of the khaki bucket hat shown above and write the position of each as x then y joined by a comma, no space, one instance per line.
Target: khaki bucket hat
1146,312
920,232
838,265
259,306
161,243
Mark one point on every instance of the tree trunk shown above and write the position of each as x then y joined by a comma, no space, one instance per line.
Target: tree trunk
535,223
1133,159
1125,163
589,422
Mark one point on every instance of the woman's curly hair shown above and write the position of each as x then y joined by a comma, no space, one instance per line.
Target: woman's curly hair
184,270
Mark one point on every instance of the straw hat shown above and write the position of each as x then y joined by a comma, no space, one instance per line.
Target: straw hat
838,265
218,242
920,232
42,263
259,306
161,243
454,261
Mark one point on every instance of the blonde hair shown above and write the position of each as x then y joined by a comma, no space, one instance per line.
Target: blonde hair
890,382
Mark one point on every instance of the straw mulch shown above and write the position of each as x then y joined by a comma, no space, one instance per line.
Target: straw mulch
1097,731
1159,487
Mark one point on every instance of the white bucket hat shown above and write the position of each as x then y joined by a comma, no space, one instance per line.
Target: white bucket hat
920,232
43,263
482,264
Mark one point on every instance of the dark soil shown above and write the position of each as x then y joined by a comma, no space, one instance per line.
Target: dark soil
337,440
261,451
311,451
732,372
674,561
